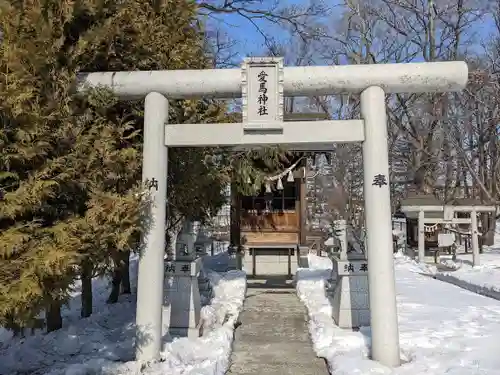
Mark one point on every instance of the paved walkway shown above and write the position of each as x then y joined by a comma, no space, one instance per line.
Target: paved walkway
273,338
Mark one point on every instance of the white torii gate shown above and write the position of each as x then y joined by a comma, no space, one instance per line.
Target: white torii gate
372,81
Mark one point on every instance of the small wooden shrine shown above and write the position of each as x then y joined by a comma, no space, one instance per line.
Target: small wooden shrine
274,215
277,215
273,222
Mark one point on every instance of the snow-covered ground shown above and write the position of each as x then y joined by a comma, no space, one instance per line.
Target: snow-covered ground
104,343
443,329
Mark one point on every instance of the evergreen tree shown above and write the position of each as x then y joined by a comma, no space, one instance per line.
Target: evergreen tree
70,164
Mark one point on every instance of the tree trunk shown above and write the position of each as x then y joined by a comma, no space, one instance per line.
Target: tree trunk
120,281
172,233
125,271
86,296
489,225
490,236
53,316
116,282
11,325
235,213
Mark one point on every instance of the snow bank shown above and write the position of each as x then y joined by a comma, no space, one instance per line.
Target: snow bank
345,351
483,279
105,336
405,262
104,343
443,329
209,355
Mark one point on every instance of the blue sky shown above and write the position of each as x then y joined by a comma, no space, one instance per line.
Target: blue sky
250,42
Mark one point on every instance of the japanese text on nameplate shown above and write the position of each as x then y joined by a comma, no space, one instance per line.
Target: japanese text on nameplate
262,98
349,267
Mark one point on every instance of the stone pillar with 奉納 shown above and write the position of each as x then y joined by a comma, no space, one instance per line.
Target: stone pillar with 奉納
349,293
183,304
350,302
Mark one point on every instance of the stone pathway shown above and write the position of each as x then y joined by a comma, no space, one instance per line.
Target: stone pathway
273,338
